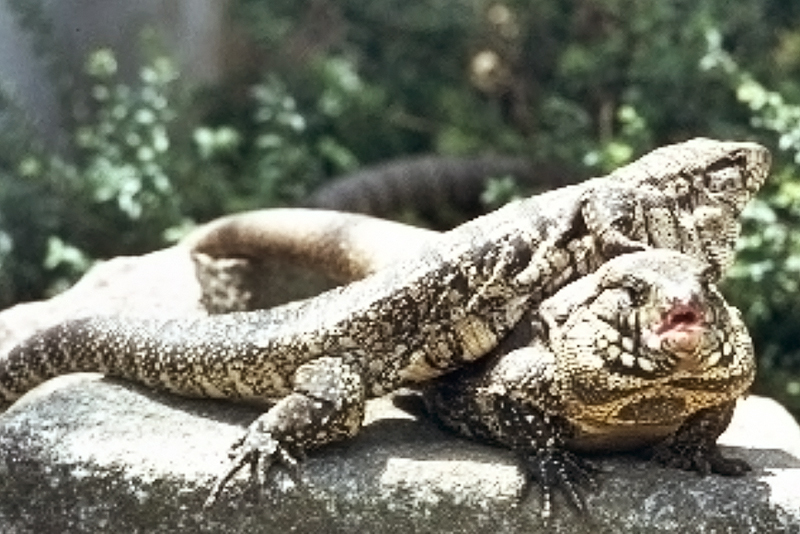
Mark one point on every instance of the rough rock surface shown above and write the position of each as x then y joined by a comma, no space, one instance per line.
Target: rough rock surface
88,454
161,283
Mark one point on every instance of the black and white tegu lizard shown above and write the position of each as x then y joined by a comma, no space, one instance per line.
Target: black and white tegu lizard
413,321
347,247
644,352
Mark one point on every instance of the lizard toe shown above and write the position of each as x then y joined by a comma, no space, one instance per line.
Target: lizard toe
704,460
560,470
260,451
729,466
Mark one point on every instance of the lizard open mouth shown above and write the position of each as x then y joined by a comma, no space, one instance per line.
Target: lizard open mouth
681,317
680,333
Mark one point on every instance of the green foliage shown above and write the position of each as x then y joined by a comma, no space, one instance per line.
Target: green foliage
123,152
500,191
765,281
23,244
287,139
108,192
290,157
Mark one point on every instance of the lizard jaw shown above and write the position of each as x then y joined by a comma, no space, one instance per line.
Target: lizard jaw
680,332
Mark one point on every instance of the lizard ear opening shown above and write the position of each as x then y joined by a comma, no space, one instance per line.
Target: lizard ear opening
637,288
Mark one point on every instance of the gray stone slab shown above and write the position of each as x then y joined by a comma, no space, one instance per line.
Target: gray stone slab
88,454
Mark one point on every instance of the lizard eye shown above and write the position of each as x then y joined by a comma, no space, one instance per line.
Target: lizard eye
623,224
725,177
637,289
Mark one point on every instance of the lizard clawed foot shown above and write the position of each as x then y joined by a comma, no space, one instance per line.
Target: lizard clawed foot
694,446
565,471
260,450
695,457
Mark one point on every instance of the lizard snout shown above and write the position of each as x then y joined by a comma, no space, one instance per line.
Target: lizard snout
680,332
681,316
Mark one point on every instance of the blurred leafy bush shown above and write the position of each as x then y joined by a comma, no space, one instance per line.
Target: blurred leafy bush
108,192
765,281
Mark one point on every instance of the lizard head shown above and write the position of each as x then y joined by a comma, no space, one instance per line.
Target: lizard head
702,172
728,174
729,177
708,183
664,305
657,334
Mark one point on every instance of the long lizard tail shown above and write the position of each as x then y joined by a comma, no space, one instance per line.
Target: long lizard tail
190,357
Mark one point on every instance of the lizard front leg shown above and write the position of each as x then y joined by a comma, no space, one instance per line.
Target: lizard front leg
499,402
694,446
539,442
327,404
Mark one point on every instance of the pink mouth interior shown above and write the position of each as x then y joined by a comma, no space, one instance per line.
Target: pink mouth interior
682,331
681,317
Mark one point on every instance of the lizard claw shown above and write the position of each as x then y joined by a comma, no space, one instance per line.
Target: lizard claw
565,471
260,451
704,460
694,446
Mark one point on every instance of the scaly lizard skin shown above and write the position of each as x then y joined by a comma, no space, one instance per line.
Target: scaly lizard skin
423,184
347,246
643,352
415,320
